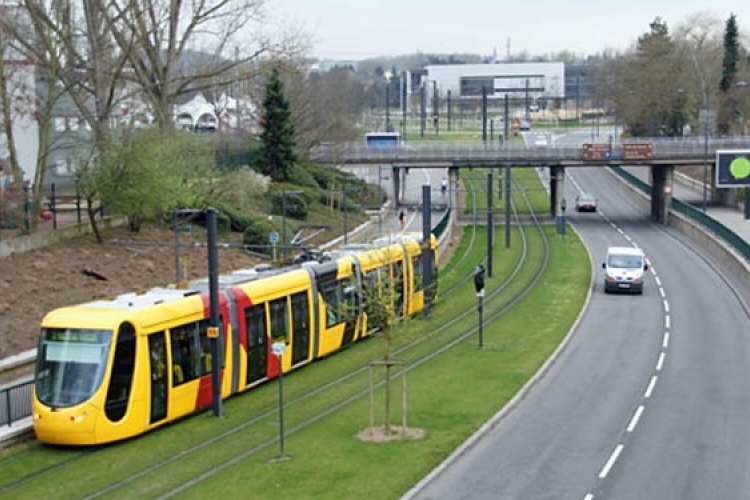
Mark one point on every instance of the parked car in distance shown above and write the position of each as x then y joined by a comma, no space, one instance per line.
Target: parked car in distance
586,202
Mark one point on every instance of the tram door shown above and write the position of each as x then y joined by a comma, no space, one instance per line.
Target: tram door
159,383
300,327
257,354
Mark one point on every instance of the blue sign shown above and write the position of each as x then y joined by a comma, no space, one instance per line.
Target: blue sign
274,237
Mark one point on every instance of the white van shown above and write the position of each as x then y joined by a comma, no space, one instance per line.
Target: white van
623,270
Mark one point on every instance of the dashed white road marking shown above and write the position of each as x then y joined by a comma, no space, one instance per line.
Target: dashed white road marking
611,461
658,281
662,292
660,363
636,418
665,342
589,497
666,306
650,387
667,321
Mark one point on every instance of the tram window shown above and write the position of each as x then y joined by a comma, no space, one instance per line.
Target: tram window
206,363
255,322
191,351
279,319
336,301
418,273
121,380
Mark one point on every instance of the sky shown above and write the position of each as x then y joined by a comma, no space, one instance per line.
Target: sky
359,29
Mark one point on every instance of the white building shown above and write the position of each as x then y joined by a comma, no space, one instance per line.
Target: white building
534,80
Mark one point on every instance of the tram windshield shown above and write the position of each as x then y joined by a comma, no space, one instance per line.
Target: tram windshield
70,365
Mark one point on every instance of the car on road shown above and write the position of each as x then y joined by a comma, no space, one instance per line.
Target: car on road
586,202
623,270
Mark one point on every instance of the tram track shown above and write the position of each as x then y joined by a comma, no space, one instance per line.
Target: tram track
416,353
498,310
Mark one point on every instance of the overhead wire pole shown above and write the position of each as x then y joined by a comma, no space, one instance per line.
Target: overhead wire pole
705,159
214,326
490,226
427,259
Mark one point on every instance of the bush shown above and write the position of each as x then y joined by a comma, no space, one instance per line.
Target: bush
258,230
296,204
302,177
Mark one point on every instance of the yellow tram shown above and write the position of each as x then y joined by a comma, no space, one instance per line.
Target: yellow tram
112,369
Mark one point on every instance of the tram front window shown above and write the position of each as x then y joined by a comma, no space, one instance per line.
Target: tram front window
70,365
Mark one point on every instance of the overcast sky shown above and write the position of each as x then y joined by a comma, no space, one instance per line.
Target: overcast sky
357,29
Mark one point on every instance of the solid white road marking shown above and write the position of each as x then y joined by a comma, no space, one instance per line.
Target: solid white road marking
650,388
635,419
611,461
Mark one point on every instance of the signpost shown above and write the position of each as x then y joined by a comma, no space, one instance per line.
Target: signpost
274,238
278,348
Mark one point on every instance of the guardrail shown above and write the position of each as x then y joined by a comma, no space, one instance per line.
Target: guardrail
706,221
15,402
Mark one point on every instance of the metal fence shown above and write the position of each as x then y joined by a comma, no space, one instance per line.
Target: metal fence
15,402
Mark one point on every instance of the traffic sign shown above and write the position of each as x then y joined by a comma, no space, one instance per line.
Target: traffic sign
637,151
602,151
278,348
273,237
733,168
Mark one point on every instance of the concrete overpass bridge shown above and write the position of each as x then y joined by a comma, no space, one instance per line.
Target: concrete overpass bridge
660,155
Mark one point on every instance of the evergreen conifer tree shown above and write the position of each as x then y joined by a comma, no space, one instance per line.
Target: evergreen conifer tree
276,154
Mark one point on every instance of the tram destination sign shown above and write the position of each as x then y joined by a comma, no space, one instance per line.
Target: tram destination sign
637,151
602,151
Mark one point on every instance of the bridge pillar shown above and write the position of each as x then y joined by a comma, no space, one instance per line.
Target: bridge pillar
662,178
556,176
453,188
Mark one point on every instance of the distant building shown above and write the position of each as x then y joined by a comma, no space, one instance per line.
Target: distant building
516,80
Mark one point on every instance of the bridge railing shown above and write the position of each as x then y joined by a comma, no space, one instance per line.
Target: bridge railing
466,151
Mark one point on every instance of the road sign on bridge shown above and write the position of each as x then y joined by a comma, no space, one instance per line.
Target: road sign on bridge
637,151
597,151
733,168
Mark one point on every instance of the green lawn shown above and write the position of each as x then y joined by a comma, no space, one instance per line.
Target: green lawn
449,397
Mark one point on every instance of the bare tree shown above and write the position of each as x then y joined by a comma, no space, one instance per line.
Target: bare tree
164,33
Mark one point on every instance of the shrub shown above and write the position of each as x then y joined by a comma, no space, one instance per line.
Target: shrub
296,204
258,229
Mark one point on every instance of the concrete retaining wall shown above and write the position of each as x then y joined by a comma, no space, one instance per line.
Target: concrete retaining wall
41,239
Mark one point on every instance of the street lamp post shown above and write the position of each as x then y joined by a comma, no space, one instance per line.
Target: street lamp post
278,348
284,192
705,160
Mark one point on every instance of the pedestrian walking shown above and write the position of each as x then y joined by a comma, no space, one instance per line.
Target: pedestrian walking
401,218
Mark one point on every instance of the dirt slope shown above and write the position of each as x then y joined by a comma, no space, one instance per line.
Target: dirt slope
35,282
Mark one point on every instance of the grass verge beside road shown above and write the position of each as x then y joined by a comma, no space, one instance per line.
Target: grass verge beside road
449,397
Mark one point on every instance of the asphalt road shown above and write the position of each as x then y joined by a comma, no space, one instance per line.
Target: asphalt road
648,400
